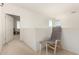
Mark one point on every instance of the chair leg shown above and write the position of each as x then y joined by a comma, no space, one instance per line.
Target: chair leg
40,48
46,48
55,51
55,47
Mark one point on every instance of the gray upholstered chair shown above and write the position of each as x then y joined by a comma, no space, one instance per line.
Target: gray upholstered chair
54,40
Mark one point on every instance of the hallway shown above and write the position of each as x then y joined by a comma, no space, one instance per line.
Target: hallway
17,47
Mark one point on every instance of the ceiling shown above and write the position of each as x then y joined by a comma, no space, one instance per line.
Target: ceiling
50,9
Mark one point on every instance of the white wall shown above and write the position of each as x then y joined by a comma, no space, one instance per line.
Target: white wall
9,28
0,30
30,21
70,25
42,34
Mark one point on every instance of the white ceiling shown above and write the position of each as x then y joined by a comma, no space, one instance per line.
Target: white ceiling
50,9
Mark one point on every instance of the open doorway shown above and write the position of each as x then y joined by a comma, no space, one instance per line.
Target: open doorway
12,30
16,27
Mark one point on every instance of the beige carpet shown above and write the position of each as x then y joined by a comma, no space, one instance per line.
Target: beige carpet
17,47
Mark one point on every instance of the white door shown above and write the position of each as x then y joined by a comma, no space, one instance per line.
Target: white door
9,28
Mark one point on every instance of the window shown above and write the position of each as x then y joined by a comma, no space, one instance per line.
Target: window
54,23
57,23
50,23
18,24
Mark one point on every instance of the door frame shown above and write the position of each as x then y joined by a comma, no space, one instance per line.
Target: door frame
5,25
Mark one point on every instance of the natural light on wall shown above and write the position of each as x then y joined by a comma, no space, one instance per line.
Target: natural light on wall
18,24
57,23
50,23
54,23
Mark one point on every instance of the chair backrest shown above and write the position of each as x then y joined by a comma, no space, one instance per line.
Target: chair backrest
56,33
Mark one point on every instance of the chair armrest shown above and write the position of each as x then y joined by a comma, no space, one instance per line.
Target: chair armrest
51,42
58,40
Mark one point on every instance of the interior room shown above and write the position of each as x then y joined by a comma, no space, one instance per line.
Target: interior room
39,28
16,27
